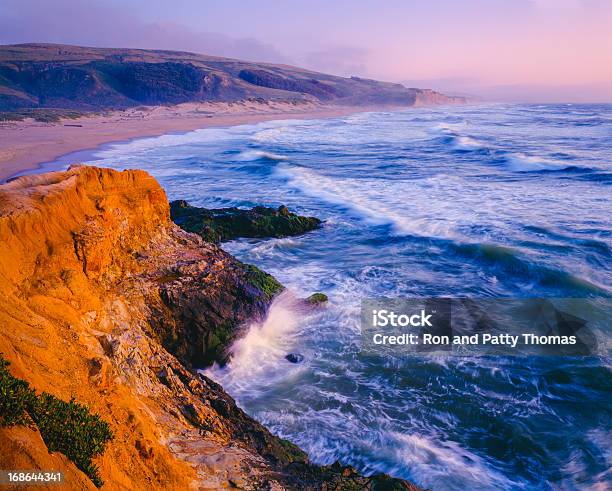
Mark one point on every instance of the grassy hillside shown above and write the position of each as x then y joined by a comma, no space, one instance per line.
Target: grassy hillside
72,77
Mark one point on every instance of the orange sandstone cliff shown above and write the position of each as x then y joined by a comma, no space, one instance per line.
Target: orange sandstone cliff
103,299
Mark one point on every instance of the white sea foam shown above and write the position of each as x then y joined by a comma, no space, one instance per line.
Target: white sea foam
521,162
273,246
401,204
171,140
250,155
467,143
258,354
269,135
359,118
435,461
458,140
447,128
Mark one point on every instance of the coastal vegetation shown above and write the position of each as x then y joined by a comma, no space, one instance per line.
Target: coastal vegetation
40,115
66,427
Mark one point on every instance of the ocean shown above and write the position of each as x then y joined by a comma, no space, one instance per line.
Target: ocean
474,201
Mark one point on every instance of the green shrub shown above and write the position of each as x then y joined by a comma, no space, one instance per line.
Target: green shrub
66,427
16,398
11,116
42,115
70,428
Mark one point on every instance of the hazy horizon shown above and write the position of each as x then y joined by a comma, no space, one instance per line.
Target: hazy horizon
503,50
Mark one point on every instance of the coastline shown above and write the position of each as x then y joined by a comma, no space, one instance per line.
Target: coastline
26,145
167,426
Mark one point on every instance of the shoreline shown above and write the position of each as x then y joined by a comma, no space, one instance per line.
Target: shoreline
182,419
26,146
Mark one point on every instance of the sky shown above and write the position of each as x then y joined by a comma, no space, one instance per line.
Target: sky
506,50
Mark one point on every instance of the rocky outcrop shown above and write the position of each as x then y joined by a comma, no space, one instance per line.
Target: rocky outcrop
222,224
105,301
317,298
428,97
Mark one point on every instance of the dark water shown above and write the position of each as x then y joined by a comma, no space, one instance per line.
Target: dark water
479,201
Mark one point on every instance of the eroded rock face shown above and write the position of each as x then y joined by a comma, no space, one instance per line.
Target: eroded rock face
266,78
104,299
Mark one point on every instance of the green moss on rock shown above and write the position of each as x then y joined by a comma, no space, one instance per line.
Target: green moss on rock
263,281
217,342
317,298
291,452
223,224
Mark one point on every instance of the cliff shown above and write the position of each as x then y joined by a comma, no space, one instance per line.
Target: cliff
73,77
105,301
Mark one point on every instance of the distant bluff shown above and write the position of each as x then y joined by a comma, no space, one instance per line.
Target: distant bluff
73,77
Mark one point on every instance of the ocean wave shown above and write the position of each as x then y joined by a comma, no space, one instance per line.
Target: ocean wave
276,247
180,142
452,132
521,162
604,178
449,127
250,155
359,118
269,135
439,463
594,244
513,262
467,143
360,197
405,216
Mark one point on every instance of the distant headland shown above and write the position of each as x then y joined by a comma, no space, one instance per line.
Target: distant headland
74,77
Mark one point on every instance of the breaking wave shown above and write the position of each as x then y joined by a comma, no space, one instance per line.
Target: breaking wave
521,162
249,155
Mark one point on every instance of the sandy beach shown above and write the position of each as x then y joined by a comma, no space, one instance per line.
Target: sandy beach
24,145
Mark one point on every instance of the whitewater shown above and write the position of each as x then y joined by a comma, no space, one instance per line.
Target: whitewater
475,201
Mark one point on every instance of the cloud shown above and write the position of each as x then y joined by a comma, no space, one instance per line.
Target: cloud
94,24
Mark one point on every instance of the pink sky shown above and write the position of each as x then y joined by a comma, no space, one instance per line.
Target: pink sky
536,50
